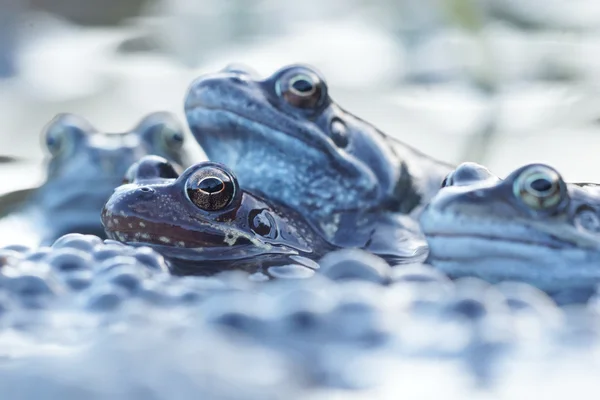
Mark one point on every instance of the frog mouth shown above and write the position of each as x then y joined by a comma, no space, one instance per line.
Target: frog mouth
453,236
179,243
516,250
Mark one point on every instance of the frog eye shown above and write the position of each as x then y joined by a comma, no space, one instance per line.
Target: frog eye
150,167
539,187
161,129
211,189
63,132
447,181
262,223
171,139
301,89
587,219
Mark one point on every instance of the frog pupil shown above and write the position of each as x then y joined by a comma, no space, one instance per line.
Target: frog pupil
541,185
302,86
211,185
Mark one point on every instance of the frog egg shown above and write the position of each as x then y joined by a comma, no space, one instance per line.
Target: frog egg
279,287
143,261
69,259
151,259
522,297
77,241
114,262
108,251
8,256
291,271
418,288
418,273
33,290
191,290
77,280
469,307
39,254
480,310
5,304
356,316
17,247
104,298
154,292
354,264
225,280
203,283
239,312
473,299
239,321
303,313
128,277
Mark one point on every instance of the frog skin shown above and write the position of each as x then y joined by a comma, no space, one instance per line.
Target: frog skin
83,169
204,223
531,227
285,136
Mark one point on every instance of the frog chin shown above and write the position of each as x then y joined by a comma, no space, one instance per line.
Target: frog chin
497,250
212,259
545,273
185,243
494,260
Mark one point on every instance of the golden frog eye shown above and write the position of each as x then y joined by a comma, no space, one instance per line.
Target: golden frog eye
300,88
211,188
539,187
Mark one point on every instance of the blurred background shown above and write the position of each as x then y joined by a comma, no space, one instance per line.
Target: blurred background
500,82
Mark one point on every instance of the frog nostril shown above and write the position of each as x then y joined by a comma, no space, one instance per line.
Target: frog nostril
145,191
239,78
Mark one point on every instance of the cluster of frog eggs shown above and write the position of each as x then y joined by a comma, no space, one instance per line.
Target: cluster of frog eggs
350,327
